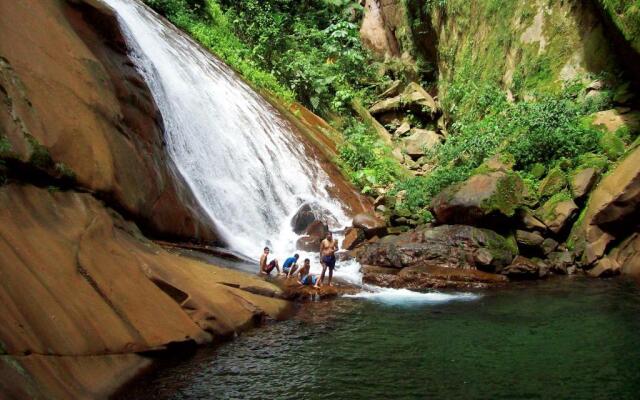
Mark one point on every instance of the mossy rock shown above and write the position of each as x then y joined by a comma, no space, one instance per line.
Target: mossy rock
557,211
507,197
612,145
554,182
482,195
538,170
591,160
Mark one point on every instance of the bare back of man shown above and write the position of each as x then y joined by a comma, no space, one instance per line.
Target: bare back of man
328,248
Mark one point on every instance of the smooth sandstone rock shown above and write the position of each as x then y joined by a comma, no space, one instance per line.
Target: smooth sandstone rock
64,256
72,96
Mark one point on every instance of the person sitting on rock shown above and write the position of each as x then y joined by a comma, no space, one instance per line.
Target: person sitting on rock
290,265
266,268
306,278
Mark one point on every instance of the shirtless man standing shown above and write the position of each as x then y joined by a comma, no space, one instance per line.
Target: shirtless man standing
266,268
328,249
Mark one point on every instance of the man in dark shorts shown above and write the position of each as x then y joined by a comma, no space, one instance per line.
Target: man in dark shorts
328,249
266,268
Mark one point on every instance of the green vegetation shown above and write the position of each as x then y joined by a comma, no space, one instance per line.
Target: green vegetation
537,133
626,16
366,158
308,51
505,74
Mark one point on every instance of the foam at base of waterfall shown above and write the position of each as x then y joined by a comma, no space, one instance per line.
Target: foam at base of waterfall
409,297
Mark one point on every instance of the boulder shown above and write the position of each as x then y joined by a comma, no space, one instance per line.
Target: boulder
317,229
448,246
529,239
548,245
413,97
422,277
529,221
582,181
523,268
553,183
612,120
420,140
308,243
352,238
556,213
611,210
561,261
624,258
392,90
371,225
402,129
479,197
605,267
307,214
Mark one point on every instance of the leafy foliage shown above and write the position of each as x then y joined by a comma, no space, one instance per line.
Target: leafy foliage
366,158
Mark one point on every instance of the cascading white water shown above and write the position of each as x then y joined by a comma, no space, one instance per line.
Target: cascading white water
234,150
237,154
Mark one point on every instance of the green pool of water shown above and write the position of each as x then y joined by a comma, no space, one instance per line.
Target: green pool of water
559,339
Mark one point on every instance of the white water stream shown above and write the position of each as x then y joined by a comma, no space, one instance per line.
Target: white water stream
237,154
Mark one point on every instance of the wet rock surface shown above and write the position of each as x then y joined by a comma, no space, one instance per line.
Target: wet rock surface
464,250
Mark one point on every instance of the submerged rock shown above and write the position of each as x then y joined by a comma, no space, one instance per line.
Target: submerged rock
524,268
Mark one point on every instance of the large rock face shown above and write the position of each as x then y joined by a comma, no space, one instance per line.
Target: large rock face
82,291
456,247
612,210
378,25
74,106
479,197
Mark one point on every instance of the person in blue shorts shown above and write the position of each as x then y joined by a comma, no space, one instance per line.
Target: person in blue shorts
290,265
305,278
328,249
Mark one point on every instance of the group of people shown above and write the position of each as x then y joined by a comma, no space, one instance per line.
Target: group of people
328,248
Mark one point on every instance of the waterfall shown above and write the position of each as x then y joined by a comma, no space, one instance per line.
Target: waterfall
237,154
